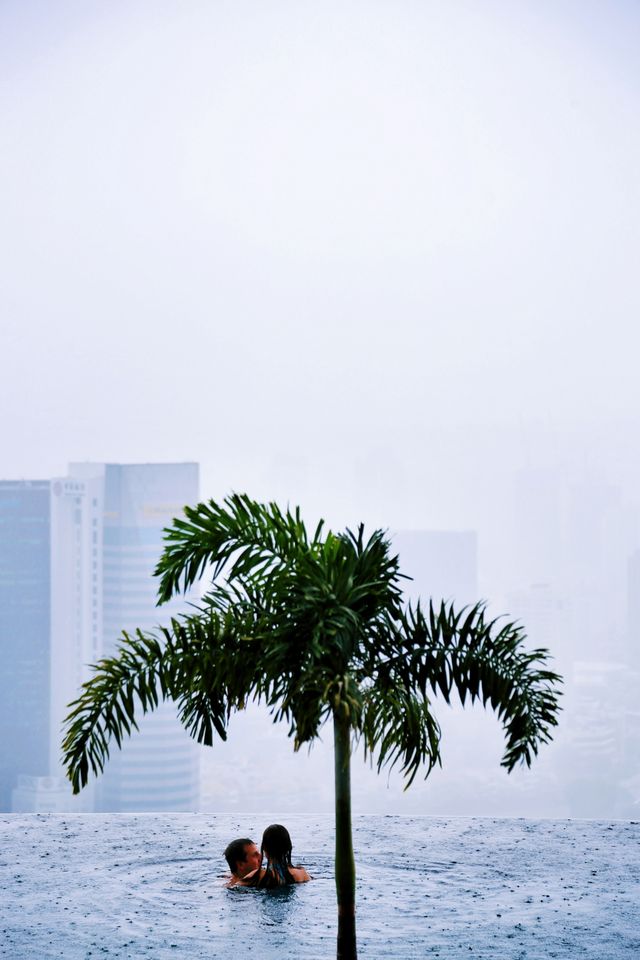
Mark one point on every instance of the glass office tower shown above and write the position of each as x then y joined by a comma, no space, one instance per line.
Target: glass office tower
24,632
158,768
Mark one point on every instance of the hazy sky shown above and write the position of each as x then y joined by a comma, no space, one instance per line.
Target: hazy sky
332,251
373,257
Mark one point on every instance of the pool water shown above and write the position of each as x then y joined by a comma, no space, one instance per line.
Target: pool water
153,886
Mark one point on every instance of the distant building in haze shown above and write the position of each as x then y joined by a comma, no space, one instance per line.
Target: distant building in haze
632,653
158,768
600,767
76,604
539,528
540,611
443,564
77,556
25,572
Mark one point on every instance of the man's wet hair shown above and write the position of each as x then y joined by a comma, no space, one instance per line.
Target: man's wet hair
234,854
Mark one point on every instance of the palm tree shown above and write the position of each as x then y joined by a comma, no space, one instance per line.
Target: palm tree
314,627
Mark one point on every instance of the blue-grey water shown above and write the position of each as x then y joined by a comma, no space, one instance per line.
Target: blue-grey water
152,886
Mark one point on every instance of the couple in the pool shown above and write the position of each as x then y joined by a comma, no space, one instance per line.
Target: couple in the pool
245,861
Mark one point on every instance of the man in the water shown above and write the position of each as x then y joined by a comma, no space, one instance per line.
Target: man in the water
243,856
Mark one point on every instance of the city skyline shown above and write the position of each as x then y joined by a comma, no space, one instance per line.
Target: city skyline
376,260
442,564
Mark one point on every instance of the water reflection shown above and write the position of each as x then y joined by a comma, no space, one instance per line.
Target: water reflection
277,905
270,907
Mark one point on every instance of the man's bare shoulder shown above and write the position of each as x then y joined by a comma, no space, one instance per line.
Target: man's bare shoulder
246,880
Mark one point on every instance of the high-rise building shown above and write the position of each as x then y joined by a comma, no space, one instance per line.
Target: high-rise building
24,632
158,768
574,533
76,594
443,565
77,556
632,652
540,611
537,552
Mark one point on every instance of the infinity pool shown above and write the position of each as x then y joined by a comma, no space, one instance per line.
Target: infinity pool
152,886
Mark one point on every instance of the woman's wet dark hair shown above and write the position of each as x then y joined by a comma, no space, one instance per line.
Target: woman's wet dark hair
276,843
276,847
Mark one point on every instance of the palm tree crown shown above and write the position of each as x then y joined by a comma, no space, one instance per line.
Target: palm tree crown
315,627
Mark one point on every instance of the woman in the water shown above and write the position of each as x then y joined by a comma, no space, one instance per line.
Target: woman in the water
279,871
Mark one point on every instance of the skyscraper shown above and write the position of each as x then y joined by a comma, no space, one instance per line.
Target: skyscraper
24,631
632,652
158,768
76,612
538,608
443,564
77,556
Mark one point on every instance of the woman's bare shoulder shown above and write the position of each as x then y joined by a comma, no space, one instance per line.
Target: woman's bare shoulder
299,874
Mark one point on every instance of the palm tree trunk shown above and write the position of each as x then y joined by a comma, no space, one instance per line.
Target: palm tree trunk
345,864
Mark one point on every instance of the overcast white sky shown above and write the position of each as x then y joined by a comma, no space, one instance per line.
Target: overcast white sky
373,257
331,251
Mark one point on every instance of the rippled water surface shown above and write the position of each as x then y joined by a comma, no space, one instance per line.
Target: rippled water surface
152,886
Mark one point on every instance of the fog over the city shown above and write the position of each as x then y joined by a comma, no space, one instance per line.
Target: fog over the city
376,259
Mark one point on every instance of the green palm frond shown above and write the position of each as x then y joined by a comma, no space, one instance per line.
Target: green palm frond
447,650
256,535
194,662
399,727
